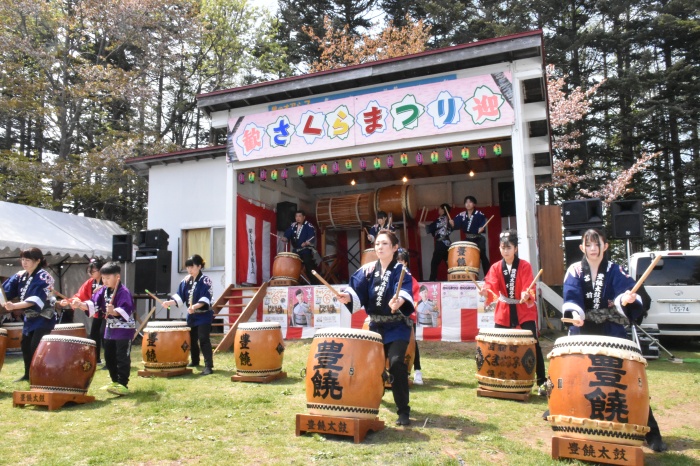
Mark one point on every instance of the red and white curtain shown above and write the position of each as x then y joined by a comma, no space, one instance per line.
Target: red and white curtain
254,242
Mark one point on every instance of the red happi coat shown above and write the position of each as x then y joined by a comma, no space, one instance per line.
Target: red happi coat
495,280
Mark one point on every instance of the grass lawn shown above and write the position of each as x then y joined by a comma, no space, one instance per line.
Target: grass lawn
211,420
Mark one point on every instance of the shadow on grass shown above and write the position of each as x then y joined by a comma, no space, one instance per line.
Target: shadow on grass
438,384
145,396
465,427
679,444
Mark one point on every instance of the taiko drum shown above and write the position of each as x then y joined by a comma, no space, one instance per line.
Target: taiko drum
14,336
73,330
463,256
344,373
505,360
343,212
598,389
3,346
410,351
397,200
286,266
258,349
166,346
63,364
369,255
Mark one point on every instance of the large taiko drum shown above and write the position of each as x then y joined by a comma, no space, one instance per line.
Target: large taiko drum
3,346
258,349
73,330
369,255
286,266
397,200
599,389
410,351
14,336
63,364
505,360
166,346
463,256
344,212
344,373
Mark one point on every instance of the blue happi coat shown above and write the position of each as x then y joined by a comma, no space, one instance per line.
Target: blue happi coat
191,292
35,289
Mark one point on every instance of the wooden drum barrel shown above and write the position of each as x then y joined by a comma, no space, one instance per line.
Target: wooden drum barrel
166,346
14,336
368,255
3,346
463,256
344,373
63,364
397,200
505,360
258,349
599,389
287,266
73,330
345,212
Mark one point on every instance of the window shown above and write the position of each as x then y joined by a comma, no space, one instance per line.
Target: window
207,242
672,270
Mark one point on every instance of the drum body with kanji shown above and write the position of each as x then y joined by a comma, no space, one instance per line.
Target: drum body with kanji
505,359
166,346
63,364
258,349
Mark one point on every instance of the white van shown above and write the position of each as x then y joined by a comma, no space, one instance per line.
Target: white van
674,289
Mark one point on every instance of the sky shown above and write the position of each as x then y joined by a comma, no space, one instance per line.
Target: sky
267,4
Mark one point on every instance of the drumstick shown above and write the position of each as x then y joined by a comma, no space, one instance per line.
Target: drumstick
646,274
488,289
566,320
533,283
274,235
487,221
58,294
156,298
398,287
322,280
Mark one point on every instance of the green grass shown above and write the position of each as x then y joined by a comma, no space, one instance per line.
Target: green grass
211,420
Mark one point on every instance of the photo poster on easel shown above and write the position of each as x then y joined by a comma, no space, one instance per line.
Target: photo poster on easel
326,307
301,306
275,305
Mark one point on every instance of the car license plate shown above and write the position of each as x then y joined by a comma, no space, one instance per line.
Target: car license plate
679,308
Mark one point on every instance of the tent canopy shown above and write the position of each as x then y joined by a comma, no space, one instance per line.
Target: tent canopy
57,234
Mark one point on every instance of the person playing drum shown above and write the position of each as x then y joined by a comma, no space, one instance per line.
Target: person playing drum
97,322
196,291
33,288
302,236
441,229
597,297
383,223
373,286
515,307
473,223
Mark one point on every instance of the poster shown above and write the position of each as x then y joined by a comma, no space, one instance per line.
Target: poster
326,307
301,306
275,305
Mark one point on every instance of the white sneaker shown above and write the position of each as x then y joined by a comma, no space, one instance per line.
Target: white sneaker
418,378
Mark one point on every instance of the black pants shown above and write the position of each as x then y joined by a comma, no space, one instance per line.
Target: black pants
654,426
416,359
97,332
118,360
481,242
29,344
307,257
539,368
199,337
439,255
396,353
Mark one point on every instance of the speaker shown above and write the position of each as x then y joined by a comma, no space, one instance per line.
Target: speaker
122,248
582,212
627,219
153,239
506,198
152,272
285,214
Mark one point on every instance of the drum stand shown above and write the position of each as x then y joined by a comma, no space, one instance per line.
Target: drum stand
634,327
347,426
259,379
517,396
166,374
598,452
45,398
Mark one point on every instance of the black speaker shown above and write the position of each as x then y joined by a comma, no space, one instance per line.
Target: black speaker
285,214
152,272
122,248
153,239
582,212
627,219
506,198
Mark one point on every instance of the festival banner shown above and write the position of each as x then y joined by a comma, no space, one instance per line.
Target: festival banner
254,242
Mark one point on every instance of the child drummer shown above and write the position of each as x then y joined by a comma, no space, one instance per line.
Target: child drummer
115,302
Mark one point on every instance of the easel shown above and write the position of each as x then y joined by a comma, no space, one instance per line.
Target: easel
52,400
346,426
598,452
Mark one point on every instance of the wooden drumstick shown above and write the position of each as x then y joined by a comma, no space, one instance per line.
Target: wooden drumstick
322,280
487,221
488,289
566,320
641,280
532,284
398,287
156,298
274,235
58,294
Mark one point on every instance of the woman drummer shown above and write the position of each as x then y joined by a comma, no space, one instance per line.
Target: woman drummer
374,287
33,288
